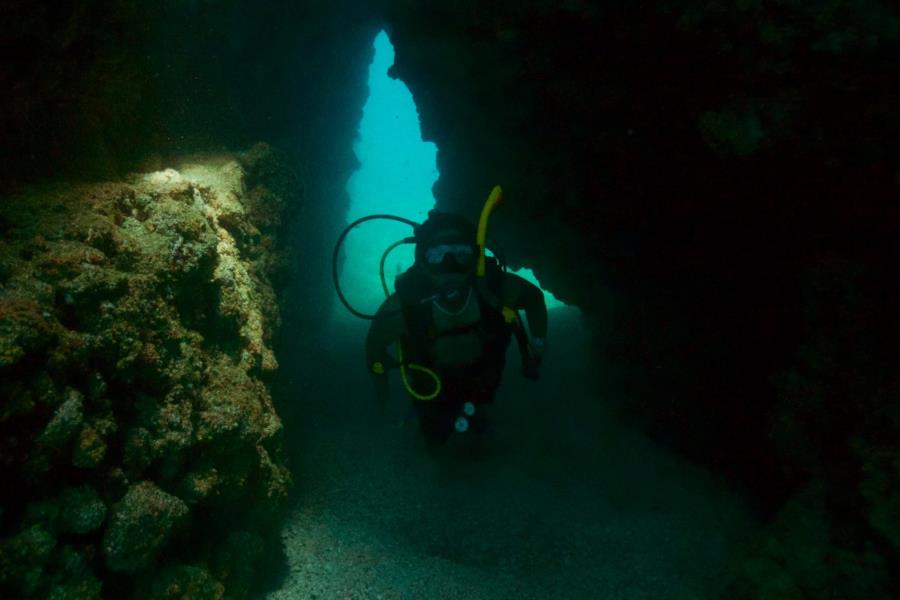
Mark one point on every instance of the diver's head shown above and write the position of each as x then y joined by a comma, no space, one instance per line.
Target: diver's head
445,248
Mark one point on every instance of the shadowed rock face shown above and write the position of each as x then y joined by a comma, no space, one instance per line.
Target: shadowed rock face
728,176
702,163
137,319
93,90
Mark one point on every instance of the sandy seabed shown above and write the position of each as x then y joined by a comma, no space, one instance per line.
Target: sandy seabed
557,502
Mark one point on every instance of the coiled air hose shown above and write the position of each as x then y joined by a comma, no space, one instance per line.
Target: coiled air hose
337,286
411,366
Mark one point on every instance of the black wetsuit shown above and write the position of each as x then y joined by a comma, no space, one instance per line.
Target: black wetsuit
465,346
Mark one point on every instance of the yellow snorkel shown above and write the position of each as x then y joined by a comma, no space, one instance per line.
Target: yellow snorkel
496,197
493,200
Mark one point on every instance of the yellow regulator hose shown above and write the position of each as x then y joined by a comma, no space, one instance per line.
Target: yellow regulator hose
403,374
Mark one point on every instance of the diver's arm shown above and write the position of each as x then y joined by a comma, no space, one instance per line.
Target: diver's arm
387,328
520,294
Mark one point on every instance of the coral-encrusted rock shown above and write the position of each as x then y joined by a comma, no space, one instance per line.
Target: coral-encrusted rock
88,588
235,407
184,581
23,558
138,452
199,485
141,525
81,510
90,448
66,420
135,320
23,328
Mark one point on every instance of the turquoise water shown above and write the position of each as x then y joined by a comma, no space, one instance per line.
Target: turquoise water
397,172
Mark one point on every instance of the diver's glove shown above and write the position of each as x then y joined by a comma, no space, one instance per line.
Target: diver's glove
382,366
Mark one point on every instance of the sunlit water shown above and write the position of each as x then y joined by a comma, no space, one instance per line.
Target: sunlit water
396,176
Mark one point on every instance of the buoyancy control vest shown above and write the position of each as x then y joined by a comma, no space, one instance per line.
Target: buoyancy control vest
470,342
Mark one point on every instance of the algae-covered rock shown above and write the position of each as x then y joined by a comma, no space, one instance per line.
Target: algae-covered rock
184,581
23,557
81,510
66,420
90,448
77,510
138,449
234,406
72,577
24,328
200,484
136,317
88,588
44,390
32,565
44,513
275,482
140,526
18,400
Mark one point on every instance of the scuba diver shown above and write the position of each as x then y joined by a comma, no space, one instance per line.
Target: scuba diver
453,315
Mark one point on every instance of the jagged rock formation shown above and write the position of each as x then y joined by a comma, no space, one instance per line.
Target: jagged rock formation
136,320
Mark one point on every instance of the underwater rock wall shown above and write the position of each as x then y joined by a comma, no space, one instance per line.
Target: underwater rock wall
716,186
138,439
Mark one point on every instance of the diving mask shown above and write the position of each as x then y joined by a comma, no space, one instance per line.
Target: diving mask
451,257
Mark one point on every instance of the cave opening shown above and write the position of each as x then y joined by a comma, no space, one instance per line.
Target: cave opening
397,172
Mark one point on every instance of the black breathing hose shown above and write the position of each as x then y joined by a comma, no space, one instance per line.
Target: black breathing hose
337,251
498,253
